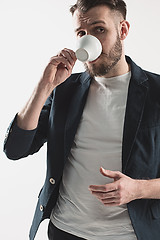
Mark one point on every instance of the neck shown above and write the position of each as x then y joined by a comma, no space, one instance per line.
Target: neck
120,68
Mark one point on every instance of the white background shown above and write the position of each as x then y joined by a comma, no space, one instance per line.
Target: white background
31,32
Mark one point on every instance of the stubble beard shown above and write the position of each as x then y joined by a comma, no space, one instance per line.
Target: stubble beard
108,61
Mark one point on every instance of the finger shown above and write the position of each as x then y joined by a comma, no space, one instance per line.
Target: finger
114,204
59,59
72,53
98,188
55,61
103,196
104,188
111,174
111,202
69,55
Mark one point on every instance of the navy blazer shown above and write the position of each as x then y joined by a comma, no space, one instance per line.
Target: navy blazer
58,124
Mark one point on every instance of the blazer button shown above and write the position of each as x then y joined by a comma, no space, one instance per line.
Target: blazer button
41,208
52,181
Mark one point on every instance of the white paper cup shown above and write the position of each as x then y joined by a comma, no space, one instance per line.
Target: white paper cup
89,48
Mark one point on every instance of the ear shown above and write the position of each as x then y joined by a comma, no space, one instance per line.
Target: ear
124,30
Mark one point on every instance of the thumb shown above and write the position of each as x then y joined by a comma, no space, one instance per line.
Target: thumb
111,174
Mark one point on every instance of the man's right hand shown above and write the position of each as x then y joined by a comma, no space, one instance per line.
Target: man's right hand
59,68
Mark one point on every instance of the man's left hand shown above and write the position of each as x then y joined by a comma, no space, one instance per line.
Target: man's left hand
123,189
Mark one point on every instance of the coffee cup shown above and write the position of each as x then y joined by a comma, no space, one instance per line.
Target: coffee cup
89,48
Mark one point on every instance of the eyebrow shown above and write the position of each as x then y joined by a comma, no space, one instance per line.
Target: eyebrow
91,24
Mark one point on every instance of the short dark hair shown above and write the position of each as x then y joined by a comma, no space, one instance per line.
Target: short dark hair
115,5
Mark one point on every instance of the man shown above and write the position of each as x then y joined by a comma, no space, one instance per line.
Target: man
102,131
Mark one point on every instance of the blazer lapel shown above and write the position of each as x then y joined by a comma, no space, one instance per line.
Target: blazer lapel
137,93
75,110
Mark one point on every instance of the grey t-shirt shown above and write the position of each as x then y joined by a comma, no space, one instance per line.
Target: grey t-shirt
98,142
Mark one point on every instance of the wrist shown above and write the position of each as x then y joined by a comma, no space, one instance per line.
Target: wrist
44,89
148,189
141,189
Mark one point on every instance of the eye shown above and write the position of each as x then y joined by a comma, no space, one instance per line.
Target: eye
81,33
100,29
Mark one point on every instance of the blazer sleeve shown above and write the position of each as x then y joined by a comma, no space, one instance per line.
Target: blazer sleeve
20,143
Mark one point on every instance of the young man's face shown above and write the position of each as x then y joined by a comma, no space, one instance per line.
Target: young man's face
102,23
